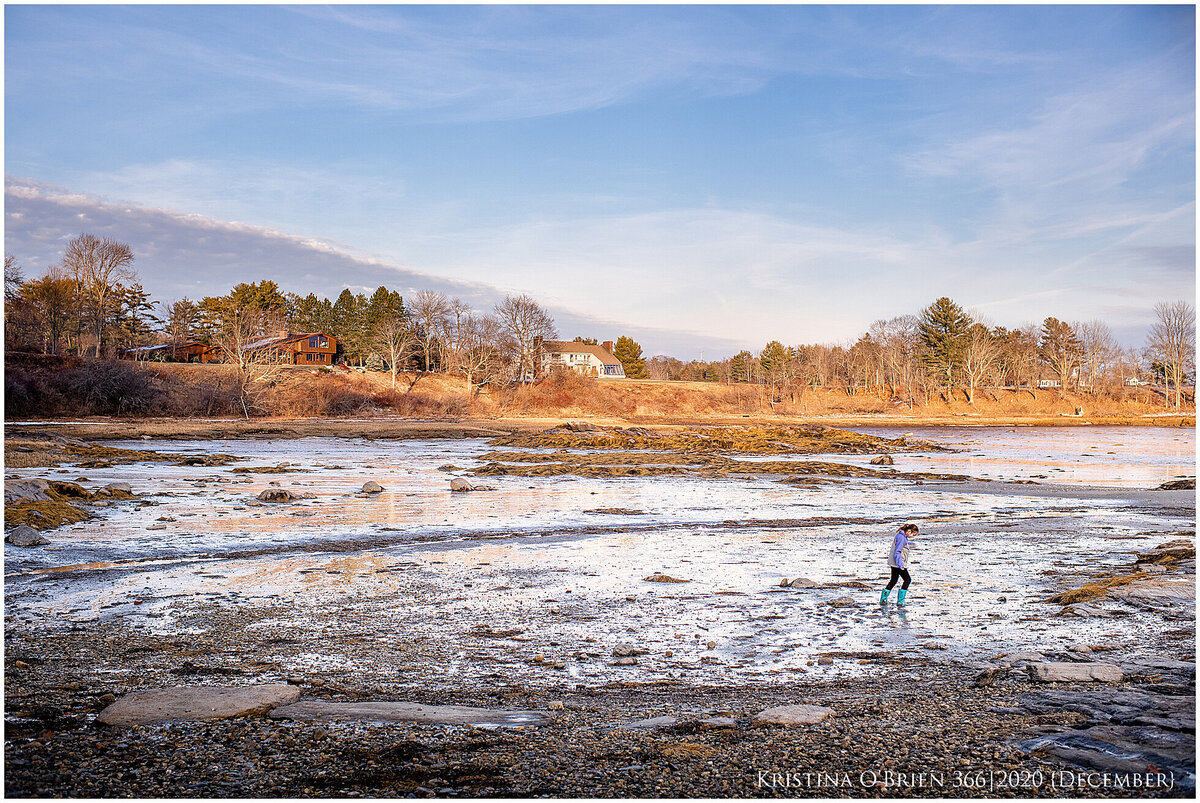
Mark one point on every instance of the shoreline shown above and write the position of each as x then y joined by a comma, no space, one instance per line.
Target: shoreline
388,427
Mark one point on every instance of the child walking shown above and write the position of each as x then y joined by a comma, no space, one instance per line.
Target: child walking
898,561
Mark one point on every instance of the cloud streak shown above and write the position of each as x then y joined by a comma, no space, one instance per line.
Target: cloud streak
194,255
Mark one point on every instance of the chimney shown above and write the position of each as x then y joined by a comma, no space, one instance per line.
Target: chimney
608,346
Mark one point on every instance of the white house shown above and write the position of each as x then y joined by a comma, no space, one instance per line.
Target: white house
597,361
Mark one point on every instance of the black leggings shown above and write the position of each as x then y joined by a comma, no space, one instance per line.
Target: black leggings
896,575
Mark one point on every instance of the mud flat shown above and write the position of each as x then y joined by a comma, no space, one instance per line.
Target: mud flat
538,597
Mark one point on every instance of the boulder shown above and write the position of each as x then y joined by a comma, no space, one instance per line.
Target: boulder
841,602
276,495
372,487
326,711
793,715
119,487
803,582
1067,672
626,650
26,491
462,485
24,535
883,460
197,703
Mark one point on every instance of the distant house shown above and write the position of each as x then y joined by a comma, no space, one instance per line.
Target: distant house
310,348
1049,383
194,351
597,361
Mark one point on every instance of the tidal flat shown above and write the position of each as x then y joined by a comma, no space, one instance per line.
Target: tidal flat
534,595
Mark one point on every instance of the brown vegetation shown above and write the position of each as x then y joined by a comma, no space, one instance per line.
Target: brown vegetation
57,388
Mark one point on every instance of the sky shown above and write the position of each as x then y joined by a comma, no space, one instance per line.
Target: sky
702,178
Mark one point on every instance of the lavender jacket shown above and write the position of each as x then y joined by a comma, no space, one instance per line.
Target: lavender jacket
898,557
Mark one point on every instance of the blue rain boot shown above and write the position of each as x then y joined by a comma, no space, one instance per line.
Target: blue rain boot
883,597
900,595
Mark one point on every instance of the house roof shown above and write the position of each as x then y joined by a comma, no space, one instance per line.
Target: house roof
265,342
575,347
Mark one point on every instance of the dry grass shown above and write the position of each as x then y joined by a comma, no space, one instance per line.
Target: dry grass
1095,589
205,391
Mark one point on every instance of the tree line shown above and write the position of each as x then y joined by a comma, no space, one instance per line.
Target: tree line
91,304
913,357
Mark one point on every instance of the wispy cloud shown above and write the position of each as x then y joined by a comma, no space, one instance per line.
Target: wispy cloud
194,255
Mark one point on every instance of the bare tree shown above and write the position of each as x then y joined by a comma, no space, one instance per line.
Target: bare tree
396,340
256,366
1172,343
100,266
14,277
429,312
979,357
1099,350
481,350
524,320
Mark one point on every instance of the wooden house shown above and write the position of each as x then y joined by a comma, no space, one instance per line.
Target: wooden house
311,348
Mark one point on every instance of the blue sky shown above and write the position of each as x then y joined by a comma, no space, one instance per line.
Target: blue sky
705,178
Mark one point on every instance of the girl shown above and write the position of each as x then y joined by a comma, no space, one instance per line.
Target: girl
898,561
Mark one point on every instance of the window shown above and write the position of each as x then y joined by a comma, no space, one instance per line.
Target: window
312,342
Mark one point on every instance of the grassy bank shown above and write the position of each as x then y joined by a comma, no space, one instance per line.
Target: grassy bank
190,394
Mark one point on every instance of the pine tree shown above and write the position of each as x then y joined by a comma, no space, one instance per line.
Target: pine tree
943,329
630,355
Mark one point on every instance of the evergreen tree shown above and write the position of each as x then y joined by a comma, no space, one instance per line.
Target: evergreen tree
630,355
1060,349
943,330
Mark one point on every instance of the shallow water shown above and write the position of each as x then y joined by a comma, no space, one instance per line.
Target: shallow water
531,556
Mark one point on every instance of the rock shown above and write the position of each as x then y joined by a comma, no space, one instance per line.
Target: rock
626,650
1178,485
1158,592
803,582
119,487
883,460
631,661
653,723
26,491
1122,749
659,577
325,711
555,705
715,723
197,703
824,660
372,487
462,485
24,535
581,426
1179,549
1066,672
989,676
793,715
276,495
841,602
